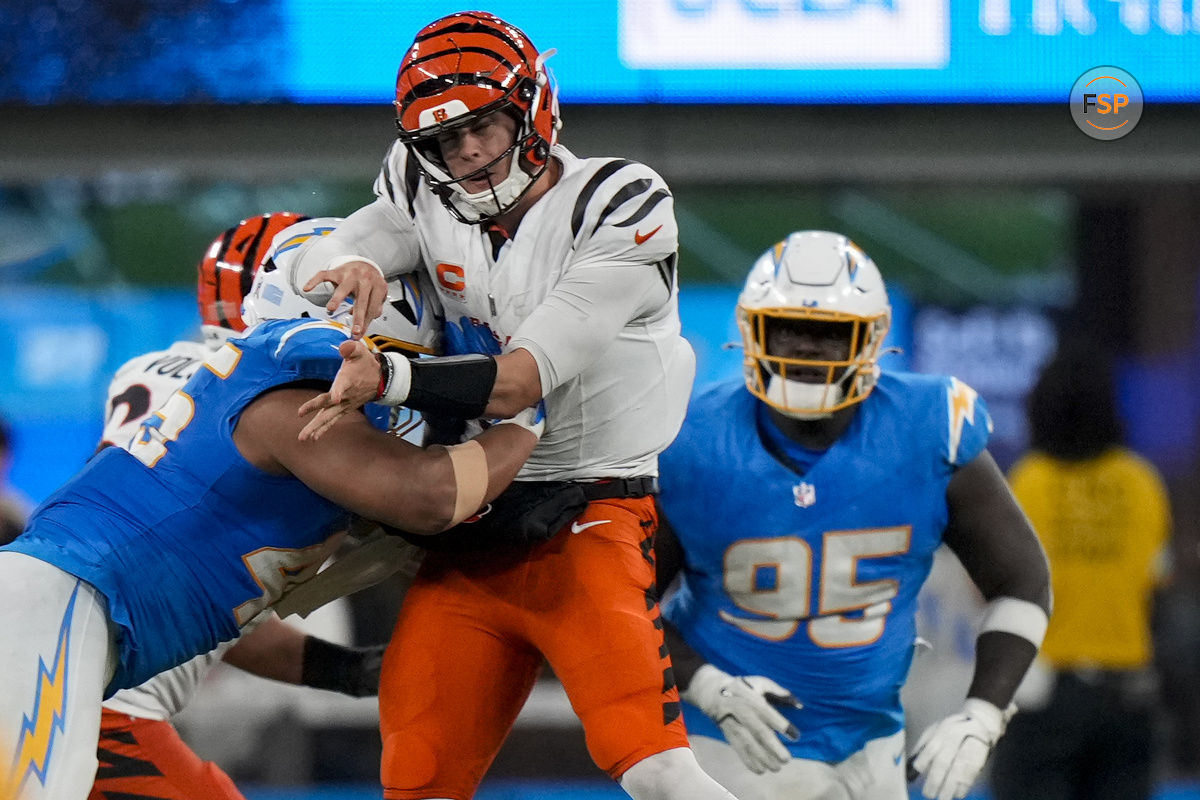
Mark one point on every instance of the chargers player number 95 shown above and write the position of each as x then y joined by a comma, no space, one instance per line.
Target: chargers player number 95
773,578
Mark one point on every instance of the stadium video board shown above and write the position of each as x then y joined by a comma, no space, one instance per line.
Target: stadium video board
609,51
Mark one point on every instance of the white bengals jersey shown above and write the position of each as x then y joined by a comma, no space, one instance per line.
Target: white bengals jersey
140,386
144,383
587,285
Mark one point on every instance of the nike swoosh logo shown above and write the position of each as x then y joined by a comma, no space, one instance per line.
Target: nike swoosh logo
576,527
639,238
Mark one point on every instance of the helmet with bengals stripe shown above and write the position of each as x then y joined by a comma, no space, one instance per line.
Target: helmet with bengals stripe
462,68
813,316
227,271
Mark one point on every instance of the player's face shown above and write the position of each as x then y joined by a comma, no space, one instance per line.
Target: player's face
471,147
809,340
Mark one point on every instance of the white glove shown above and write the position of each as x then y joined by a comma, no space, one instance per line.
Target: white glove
532,419
742,706
951,752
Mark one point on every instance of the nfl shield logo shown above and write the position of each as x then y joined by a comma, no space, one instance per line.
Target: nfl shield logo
805,494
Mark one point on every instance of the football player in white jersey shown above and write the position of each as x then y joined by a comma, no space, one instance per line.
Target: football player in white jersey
798,588
140,752
557,276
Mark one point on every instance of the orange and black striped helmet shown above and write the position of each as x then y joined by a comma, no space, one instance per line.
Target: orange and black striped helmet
227,270
462,67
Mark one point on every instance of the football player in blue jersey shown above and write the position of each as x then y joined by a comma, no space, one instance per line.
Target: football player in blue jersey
805,506
163,548
141,753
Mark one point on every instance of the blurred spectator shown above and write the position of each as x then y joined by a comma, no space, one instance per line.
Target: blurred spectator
13,505
1087,732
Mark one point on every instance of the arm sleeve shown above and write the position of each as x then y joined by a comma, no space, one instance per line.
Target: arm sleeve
585,312
622,271
997,545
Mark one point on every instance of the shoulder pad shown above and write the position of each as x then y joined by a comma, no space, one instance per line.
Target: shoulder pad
968,423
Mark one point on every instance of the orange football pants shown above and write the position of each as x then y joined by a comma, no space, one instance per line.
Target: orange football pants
146,759
472,634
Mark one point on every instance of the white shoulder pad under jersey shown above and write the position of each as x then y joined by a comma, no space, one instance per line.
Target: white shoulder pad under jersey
144,383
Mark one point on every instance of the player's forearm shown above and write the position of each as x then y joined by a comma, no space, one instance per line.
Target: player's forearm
273,650
684,660
1001,661
463,478
517,385
1010,636
506,447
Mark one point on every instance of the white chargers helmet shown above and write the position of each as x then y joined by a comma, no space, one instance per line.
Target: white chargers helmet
823,281
411,321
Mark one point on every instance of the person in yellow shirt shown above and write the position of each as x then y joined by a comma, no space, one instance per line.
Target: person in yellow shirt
1103,516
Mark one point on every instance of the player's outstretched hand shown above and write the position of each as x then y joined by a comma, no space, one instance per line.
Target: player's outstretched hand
356,383
951,753
359,280
743,705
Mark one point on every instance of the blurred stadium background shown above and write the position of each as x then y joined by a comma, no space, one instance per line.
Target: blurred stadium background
936,133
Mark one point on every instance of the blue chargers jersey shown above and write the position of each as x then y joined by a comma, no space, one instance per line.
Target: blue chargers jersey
812,579
184,538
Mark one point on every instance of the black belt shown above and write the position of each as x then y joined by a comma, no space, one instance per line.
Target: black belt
610,488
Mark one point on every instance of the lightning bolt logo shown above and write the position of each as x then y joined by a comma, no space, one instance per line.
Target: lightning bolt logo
777,253
35,743
295,241
962,410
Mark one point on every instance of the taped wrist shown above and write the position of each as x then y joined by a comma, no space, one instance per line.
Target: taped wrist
339,669
1018,617
532,419
469,462
396,379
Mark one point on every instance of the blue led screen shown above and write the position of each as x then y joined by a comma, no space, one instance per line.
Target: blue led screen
609,51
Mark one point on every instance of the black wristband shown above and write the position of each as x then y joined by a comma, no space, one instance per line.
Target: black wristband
457,386
349,670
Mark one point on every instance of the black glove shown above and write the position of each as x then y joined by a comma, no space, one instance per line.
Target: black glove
349,670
